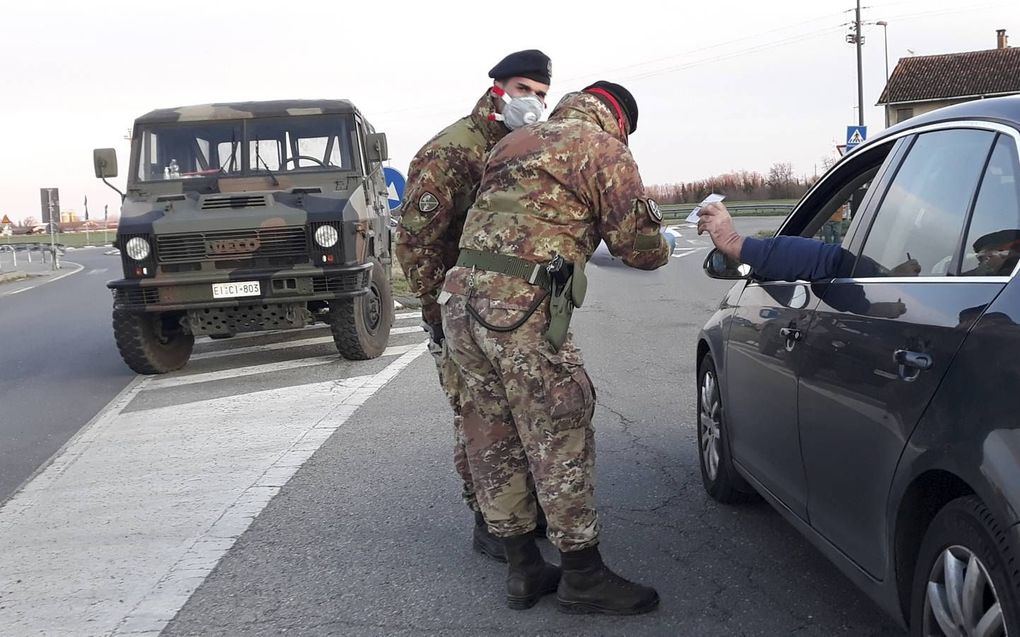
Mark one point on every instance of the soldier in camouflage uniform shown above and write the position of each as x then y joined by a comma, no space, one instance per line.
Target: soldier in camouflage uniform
550,191
442,183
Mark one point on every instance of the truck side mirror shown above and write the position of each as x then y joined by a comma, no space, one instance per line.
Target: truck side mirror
105,160
719,266
377,148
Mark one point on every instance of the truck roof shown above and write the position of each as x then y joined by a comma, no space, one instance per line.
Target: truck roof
246,110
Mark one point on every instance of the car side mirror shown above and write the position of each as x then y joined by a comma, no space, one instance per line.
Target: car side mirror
105,161
377,149
719,266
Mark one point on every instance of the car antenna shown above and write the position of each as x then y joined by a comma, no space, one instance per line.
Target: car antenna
258,158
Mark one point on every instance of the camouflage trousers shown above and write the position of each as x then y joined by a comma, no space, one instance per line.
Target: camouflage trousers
525,407
452,384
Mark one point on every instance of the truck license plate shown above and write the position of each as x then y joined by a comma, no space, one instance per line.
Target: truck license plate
236,289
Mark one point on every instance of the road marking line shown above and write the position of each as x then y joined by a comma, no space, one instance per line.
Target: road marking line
407,315
305,342
689,252
117,533
97,271
163,382
42,283
282,344
316,326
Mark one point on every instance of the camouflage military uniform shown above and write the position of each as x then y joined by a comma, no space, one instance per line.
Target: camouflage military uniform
441,185
555,188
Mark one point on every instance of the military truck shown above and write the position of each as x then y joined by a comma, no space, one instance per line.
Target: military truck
252,216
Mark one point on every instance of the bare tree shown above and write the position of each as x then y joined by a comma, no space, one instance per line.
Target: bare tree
29,222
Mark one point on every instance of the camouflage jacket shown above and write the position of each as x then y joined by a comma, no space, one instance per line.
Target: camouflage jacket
559,188
441,184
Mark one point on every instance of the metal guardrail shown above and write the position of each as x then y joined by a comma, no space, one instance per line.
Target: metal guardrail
675,212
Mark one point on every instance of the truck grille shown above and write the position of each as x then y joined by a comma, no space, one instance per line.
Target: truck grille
234,245
227,202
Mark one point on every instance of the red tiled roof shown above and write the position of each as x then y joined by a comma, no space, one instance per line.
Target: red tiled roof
932,77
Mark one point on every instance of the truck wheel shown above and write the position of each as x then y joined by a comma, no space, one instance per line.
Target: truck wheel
151,343
361,326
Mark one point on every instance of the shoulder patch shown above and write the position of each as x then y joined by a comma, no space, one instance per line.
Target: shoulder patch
427,202
654,211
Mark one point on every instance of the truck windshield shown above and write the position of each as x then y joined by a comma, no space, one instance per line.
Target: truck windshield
196,150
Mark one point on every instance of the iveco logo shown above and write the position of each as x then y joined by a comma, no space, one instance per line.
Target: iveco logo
232,246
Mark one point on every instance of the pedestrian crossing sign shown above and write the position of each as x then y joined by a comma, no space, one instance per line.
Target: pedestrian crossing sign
855,136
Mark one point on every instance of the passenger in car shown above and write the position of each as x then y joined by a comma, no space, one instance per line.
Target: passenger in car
997,253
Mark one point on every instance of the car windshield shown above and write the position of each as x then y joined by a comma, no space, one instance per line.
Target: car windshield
186,150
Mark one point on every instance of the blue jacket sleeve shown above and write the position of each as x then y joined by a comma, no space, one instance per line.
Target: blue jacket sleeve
792,258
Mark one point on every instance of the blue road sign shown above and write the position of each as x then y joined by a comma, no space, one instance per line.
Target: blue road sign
394,186
855,136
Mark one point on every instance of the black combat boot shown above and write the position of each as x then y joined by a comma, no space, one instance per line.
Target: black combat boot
485,542
529,577
588,586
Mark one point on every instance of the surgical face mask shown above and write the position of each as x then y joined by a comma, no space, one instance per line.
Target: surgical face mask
518,111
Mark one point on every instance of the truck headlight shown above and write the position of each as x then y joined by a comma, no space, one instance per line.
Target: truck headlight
138,248
326,236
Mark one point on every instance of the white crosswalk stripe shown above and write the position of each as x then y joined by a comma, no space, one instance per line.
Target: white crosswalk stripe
251,370
304,342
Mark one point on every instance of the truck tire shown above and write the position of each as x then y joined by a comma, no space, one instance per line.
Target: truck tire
150,343
361,325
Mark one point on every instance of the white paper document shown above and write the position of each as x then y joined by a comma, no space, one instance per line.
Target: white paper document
713,198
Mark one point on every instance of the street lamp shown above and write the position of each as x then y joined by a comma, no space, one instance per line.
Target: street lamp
885,36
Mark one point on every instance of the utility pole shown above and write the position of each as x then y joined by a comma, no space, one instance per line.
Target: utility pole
860,66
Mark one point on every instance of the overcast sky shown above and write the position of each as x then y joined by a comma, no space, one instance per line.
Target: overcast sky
726,86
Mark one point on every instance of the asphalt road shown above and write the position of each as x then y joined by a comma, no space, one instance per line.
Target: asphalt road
370,538
58,362
270,488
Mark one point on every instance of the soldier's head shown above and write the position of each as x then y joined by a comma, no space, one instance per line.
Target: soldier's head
520,83
620,102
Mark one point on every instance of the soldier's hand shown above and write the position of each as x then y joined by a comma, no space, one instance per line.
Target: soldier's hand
716,221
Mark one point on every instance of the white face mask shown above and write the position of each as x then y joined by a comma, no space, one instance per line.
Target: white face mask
518,111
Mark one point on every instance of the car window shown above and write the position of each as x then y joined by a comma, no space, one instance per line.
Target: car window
835,216
992,247
918,225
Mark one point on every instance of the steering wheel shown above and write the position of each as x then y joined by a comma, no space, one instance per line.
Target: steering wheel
317,161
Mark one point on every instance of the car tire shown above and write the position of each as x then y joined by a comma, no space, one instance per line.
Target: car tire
965,567
361,325
151,343
718,474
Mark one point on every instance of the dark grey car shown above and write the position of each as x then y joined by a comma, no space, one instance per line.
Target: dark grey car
880,412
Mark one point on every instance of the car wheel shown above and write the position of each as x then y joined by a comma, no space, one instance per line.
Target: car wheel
966,581
720,478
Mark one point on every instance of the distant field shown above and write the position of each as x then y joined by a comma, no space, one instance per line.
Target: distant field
70,240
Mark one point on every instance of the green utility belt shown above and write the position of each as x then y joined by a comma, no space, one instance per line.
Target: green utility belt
564,282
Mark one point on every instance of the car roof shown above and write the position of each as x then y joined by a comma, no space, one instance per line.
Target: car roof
1005,110
246,110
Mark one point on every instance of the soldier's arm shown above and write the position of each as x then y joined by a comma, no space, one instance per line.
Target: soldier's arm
629,222
427,212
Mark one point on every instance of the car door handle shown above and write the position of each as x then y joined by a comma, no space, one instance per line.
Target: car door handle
790,333
911,364
916,360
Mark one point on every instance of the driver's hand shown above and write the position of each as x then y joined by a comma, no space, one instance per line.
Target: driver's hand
908,268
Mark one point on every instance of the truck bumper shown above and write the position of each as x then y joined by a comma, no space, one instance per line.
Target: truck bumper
277,287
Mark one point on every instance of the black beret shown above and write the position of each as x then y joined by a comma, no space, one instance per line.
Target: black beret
532,64
623,98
